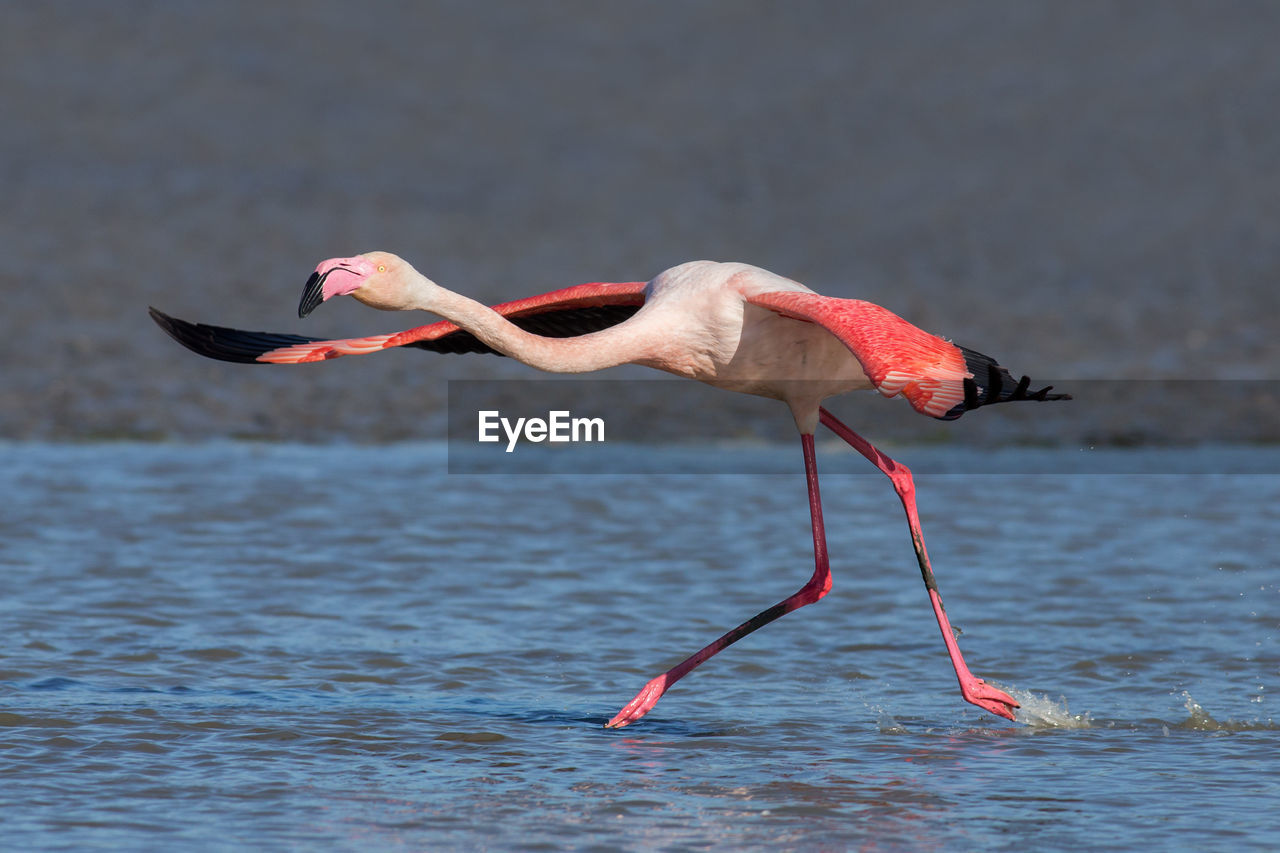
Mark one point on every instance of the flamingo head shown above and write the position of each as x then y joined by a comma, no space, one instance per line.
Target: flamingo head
378,279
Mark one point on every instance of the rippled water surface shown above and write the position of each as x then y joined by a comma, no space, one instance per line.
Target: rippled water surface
345,647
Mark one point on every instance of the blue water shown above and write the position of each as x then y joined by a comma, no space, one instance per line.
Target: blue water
339,647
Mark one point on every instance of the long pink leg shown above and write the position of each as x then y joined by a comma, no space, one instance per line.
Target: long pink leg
817,587
973,689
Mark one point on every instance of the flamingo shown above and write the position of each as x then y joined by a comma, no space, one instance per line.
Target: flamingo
730,325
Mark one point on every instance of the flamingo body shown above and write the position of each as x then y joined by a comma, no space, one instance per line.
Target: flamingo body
729,325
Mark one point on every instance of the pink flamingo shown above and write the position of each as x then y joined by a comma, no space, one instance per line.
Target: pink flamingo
729,325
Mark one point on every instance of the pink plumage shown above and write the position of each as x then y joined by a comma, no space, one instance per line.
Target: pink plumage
734,326
897,357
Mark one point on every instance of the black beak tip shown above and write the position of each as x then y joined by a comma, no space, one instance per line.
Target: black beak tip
312,294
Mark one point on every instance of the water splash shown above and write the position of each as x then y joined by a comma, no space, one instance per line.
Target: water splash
1039,711
1200,720
888,725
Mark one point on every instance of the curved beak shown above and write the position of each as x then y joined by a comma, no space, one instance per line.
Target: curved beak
312,294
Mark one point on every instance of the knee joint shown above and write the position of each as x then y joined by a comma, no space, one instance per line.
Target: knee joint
903,483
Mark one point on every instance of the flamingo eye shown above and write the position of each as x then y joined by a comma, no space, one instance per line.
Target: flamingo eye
382,267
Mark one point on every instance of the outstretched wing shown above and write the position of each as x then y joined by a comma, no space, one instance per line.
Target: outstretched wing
938,378
559,314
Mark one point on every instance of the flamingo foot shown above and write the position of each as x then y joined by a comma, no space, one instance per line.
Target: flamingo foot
641,705
978,692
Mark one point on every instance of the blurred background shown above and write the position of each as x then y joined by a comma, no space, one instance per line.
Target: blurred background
1086,191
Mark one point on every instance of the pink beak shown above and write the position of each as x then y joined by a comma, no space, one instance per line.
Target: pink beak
320,287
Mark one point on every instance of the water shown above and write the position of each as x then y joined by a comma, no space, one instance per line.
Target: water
229,645
341,647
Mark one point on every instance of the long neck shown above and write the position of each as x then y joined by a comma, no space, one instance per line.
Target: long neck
621,344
